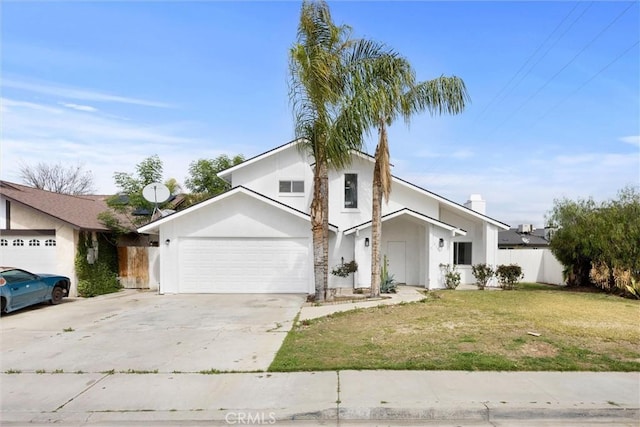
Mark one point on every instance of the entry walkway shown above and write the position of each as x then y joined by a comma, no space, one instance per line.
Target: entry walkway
403,294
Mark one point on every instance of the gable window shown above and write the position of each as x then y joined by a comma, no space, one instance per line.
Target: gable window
290,186
462,253
351,190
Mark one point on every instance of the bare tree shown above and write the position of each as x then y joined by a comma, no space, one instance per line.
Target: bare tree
58,178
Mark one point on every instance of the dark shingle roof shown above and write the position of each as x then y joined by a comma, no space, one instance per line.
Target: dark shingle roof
512,237
78,211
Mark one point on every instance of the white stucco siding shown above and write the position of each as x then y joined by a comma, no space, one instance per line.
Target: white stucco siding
341,248
405,197
362,253
3,212
25,218
264,176
346,218
438,255
475,234
240,216
401,233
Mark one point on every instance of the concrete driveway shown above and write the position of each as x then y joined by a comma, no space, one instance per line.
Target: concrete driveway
140,331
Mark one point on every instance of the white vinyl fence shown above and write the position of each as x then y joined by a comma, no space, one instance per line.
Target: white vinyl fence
538,265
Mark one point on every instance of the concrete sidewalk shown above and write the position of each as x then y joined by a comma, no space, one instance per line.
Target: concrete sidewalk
322,398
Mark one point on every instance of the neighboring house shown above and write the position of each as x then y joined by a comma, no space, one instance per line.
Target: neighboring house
39,229
525,236
529,248
256,238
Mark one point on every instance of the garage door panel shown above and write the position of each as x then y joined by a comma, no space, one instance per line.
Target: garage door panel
23,252
240,265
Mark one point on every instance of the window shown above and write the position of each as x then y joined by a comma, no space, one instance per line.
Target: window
50,242
291,186
34,242
4,242
351,191
462,253
18,242
17,276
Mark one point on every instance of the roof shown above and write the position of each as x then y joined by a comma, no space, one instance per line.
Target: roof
414,214
512,237
227,172
154,225
453,204
78,211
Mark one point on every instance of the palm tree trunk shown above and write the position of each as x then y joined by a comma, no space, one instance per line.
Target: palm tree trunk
320,229
376,229
381,187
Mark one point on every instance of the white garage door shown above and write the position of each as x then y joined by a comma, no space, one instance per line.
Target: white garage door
239,265
32,253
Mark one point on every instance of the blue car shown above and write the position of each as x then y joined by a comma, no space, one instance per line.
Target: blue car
19,288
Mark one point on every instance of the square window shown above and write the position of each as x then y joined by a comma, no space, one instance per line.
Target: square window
285,186
462,253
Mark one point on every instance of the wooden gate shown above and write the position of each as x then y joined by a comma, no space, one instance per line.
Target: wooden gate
133,266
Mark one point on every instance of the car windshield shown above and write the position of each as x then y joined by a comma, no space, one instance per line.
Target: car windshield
16,276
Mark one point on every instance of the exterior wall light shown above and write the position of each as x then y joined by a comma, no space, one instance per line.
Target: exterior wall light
366,242
441,243
166,242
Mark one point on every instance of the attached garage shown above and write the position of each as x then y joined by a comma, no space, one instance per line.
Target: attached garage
237,242
243,265
32,250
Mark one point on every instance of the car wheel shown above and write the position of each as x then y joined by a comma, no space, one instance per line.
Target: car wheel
57,294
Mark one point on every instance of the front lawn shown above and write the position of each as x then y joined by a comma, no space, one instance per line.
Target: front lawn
474,330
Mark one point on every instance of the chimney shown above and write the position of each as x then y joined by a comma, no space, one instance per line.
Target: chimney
476,203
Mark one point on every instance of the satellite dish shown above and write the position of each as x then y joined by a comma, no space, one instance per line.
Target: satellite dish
156,193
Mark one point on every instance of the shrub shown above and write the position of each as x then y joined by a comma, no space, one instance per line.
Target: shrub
597,243
98,277
483,273
451,276
102,282
509,275
344,269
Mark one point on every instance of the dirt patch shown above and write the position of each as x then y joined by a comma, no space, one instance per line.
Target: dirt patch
538,349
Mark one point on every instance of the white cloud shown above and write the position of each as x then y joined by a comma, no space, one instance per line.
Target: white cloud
75,93
523,194
633,139
104,144
79,107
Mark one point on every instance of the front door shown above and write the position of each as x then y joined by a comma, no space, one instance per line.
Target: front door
396,255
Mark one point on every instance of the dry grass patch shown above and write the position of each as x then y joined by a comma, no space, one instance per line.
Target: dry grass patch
474,331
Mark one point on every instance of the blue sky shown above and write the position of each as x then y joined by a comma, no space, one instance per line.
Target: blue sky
555,90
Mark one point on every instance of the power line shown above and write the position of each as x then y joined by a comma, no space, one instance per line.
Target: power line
549,49
530,58
564,67
624,52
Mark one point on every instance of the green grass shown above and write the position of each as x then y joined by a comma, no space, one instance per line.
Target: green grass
474,330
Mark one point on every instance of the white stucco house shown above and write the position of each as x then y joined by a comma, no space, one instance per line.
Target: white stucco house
256,238
39,230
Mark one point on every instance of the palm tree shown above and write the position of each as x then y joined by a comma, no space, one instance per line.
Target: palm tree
403,98
328,74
